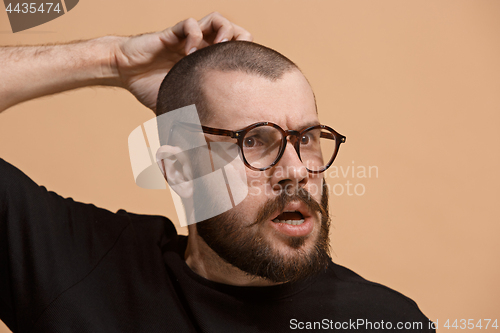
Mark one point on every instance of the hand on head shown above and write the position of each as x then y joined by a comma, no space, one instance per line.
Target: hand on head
143,61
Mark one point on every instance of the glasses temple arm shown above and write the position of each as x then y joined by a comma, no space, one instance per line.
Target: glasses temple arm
207,130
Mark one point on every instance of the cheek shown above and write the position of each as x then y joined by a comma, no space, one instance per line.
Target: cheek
259,189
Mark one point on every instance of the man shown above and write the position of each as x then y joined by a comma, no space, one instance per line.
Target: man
261,266
237,85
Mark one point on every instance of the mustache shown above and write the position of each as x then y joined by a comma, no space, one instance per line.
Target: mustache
284,198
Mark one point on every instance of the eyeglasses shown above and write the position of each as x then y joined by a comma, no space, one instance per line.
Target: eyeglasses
263,144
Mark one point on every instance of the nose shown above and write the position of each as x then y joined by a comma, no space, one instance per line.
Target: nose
289,173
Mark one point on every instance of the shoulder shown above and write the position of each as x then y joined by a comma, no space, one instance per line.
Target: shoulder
24,200
357,298
150,225
12,179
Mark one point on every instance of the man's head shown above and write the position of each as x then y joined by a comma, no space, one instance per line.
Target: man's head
183,84
280,230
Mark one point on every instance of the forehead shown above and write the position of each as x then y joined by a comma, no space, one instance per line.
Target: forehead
236,100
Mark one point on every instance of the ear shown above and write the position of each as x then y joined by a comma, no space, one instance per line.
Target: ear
176,168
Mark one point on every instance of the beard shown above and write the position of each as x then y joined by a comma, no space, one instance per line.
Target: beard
246,247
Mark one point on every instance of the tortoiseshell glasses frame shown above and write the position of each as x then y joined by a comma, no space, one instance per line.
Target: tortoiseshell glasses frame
326,133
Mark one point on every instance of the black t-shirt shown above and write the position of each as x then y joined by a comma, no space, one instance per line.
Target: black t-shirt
72,267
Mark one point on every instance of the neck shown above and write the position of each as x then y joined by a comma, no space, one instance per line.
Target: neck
206,263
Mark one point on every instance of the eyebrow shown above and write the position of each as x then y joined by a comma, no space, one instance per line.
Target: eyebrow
307,125
314,123
225,132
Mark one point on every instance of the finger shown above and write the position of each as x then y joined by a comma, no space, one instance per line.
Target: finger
191,32
232,32
241,34
170,36
218,25
193,35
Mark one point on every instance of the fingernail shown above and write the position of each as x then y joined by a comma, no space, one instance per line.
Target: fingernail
192,50
224,40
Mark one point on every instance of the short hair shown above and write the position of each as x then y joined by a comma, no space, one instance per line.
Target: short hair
183,84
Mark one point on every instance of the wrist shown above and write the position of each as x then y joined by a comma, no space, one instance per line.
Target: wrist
107,49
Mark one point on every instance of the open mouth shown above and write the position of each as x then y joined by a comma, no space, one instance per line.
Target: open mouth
295,220
290,217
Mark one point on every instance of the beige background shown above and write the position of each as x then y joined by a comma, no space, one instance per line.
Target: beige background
414,85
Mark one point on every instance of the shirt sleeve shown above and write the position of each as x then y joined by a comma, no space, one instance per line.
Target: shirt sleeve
47,245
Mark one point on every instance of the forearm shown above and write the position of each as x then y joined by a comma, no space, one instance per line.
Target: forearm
33,71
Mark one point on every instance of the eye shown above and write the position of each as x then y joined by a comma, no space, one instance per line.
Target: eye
304,139
251,142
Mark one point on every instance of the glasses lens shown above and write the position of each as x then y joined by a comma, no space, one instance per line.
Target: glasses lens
317,147
261,146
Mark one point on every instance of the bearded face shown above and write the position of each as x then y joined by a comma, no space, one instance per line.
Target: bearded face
248,245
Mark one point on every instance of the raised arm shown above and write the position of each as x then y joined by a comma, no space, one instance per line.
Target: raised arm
137,63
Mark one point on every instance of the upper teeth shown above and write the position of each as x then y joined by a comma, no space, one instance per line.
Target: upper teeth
293,222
